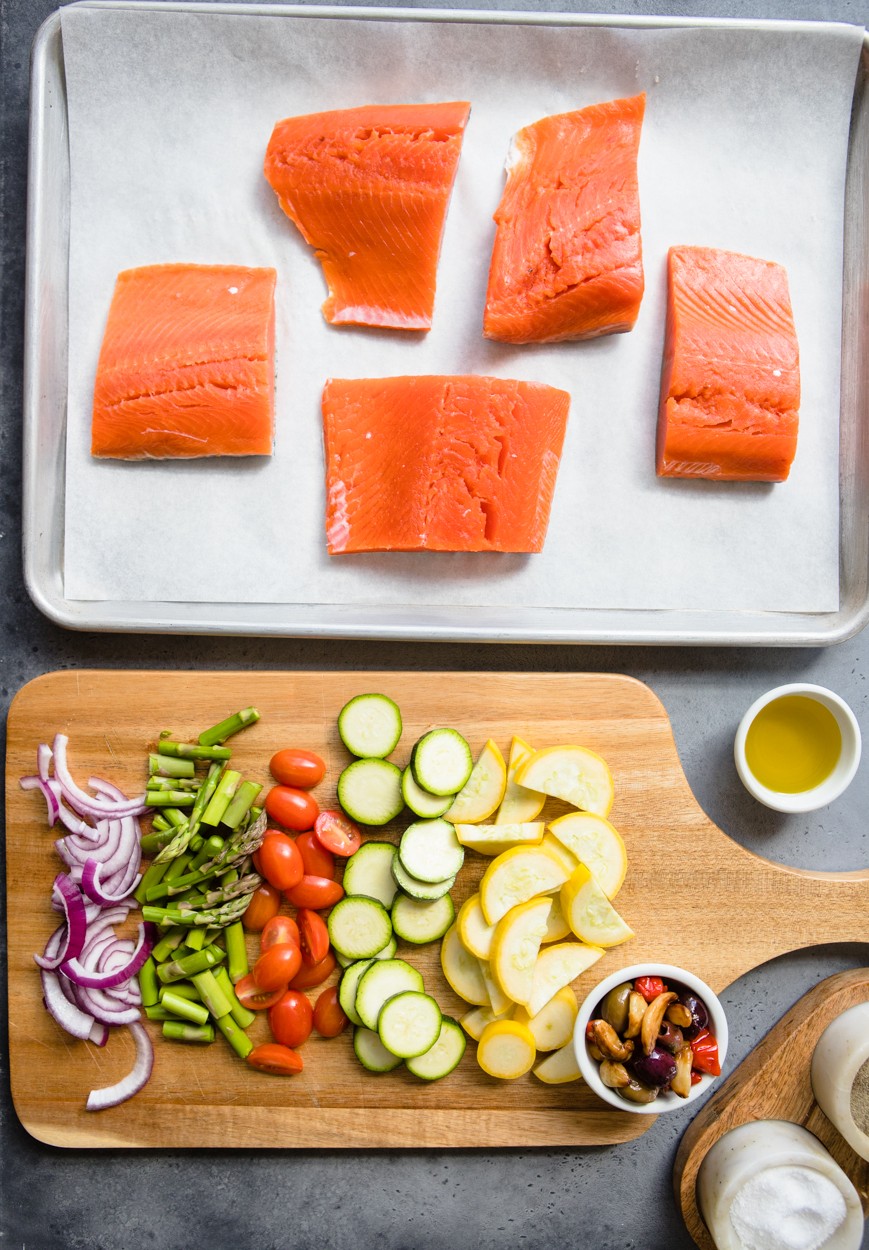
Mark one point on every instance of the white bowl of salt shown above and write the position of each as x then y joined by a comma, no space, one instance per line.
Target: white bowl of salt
771,1185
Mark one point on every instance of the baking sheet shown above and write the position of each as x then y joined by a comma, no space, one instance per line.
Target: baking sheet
729,147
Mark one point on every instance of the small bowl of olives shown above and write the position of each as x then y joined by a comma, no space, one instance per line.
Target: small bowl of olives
650,1038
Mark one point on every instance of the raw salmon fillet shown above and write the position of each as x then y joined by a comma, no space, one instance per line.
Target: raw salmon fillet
440,463
567,261
369,188
187,364
730,384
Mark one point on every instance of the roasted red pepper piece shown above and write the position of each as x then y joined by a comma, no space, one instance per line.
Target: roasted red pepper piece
704,1048
649,987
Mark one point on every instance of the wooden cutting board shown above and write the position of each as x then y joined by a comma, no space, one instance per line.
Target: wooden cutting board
774,1083
692,895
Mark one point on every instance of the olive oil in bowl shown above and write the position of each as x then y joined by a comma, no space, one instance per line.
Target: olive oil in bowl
797,748
793,744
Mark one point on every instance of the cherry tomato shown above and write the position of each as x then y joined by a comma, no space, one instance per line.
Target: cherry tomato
251,996
256,858
316,892
281,862
317,860
309,977
296,767
291,1018
277,966
275,1059
277,931
337,833
264,903
329,1017
314,936
294,809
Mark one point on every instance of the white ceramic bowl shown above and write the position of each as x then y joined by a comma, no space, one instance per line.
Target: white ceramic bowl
590,1068
841,776
841,1051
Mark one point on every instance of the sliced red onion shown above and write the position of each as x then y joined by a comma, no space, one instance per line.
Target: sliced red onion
107,980
85,803
103,1006
99,1034
51,799
95,890
72,905
68,1015
112,1095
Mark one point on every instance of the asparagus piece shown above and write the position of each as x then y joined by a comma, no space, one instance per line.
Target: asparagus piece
196,939
159,1012
240,1014
178,867
244,886
157,839
206,790
168,943
236,951
189,965
186,989
212,995
174,816
157,785
245,795
178,845
221,798
183,1007
218,734
192,751
237,1038
180,1031
217,917
169,798
207,850
168,766
151,879
148,984
160,824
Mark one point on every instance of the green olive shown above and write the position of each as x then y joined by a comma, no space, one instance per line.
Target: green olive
615,1007
635,1091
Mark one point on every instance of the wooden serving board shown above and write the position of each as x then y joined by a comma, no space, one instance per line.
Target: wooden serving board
774,1083
693,897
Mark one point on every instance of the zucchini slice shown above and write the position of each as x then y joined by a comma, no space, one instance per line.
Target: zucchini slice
347,989
443,1057
416,888
369,871
422,920
359,926
369,790
430,851
441,761
344,961
409,1024
420,801
370,725
371,1052
380,982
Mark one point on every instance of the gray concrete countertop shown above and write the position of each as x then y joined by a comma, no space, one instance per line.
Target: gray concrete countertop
617,1198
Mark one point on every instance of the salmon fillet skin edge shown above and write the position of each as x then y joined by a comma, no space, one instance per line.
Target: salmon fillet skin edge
187,364
567,261
369,189
730,382
440,463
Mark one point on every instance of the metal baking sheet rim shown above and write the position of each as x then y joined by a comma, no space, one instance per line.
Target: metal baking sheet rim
44,414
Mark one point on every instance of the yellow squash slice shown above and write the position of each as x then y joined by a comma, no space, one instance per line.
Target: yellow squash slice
499,1001
495,839
516,876
516,946
475,1020
556,926
559,1067
561,853
506,1050
572,773
589,912
556,967
484,789
462,969
552,1027
519,804
474,930
595,843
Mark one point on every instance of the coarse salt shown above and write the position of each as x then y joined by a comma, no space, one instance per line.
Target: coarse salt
787,1208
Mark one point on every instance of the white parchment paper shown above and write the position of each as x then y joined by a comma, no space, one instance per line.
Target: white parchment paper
743,147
